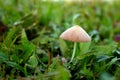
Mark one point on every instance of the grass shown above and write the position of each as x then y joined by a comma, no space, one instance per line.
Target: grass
30,47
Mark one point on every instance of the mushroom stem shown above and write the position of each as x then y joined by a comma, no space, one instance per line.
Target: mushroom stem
74,49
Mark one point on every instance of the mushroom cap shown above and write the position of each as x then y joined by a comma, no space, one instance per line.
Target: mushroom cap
75,34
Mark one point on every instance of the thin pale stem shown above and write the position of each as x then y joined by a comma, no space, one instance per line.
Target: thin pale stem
74,49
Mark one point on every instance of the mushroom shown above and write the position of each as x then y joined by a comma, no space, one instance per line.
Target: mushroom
75,34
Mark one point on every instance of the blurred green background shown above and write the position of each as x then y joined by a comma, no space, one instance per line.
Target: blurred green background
30,47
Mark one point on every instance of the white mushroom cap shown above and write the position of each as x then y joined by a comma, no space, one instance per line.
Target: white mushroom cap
75,34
